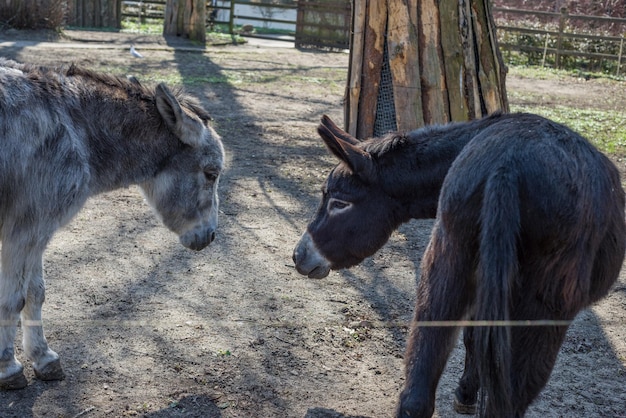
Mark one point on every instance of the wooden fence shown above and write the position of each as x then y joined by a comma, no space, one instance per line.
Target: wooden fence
554,30
94,14
563,30
149,11
312,23
323,24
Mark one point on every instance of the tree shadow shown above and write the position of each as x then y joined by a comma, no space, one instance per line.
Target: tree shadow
274,352
328,413
190,406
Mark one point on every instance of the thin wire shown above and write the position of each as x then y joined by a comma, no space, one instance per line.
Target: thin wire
282,324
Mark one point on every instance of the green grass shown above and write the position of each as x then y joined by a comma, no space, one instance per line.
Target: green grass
605,129
212,38
545,73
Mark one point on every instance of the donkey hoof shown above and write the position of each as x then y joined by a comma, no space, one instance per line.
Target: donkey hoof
462,408
16,381
51,371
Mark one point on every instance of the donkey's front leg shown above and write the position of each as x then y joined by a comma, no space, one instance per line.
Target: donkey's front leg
443,294
46,363
13,284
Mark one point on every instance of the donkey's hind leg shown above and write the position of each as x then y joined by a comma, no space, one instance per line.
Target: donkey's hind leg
534,353
466,394
46,363
443,294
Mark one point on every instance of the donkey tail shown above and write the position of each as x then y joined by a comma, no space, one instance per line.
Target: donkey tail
497,269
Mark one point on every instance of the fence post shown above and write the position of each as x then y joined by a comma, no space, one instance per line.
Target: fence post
142,14
545,50
619,56
231,18
562,18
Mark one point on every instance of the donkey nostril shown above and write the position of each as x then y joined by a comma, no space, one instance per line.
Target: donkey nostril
212,236
298,254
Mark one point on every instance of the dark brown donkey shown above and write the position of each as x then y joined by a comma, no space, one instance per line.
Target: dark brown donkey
530,226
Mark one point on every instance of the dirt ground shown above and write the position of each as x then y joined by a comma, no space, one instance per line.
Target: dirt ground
147,328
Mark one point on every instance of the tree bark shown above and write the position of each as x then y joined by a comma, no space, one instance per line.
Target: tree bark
443,58
186,18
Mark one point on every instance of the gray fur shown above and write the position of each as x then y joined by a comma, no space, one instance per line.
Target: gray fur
67,134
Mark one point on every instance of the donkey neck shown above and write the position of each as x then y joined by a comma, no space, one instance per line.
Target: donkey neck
413,172
127,145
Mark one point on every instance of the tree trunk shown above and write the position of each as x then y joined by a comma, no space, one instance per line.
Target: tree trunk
186,18
94,13
441,59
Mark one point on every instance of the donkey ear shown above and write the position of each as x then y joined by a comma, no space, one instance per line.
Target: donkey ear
359,161
188,130
133,80
337,131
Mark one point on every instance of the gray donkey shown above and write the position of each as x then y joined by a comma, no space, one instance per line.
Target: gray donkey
67,134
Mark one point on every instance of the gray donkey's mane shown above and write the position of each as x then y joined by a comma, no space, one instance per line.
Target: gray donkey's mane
130,86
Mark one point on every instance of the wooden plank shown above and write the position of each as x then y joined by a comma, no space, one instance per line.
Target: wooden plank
470,75
526,12
499,69
525,48
486,65
353,90
403,49
432,75
451,44
572,35
376,23
604,19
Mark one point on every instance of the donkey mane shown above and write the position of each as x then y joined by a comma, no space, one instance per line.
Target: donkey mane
400,141
378,147
421,158
129,87
135,89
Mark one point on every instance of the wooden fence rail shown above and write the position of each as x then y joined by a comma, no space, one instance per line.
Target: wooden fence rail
563,32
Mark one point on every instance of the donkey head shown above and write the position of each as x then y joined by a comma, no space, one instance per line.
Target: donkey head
184,191
355,216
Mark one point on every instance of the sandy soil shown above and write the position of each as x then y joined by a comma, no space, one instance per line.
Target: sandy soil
147,328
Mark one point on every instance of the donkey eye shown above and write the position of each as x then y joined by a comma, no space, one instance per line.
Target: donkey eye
336,205
210,176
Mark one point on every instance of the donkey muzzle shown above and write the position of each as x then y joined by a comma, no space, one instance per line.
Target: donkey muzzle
198,238
308,260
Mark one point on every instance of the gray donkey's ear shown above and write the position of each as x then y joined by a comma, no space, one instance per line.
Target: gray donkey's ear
359,161
189,130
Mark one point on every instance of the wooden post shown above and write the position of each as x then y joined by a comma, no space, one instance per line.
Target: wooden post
443,60
231,18
353,88
619,56
142,15
559,39
186,18
373,44
545,50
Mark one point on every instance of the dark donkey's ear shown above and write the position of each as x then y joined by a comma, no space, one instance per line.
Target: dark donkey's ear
337,131
344,147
